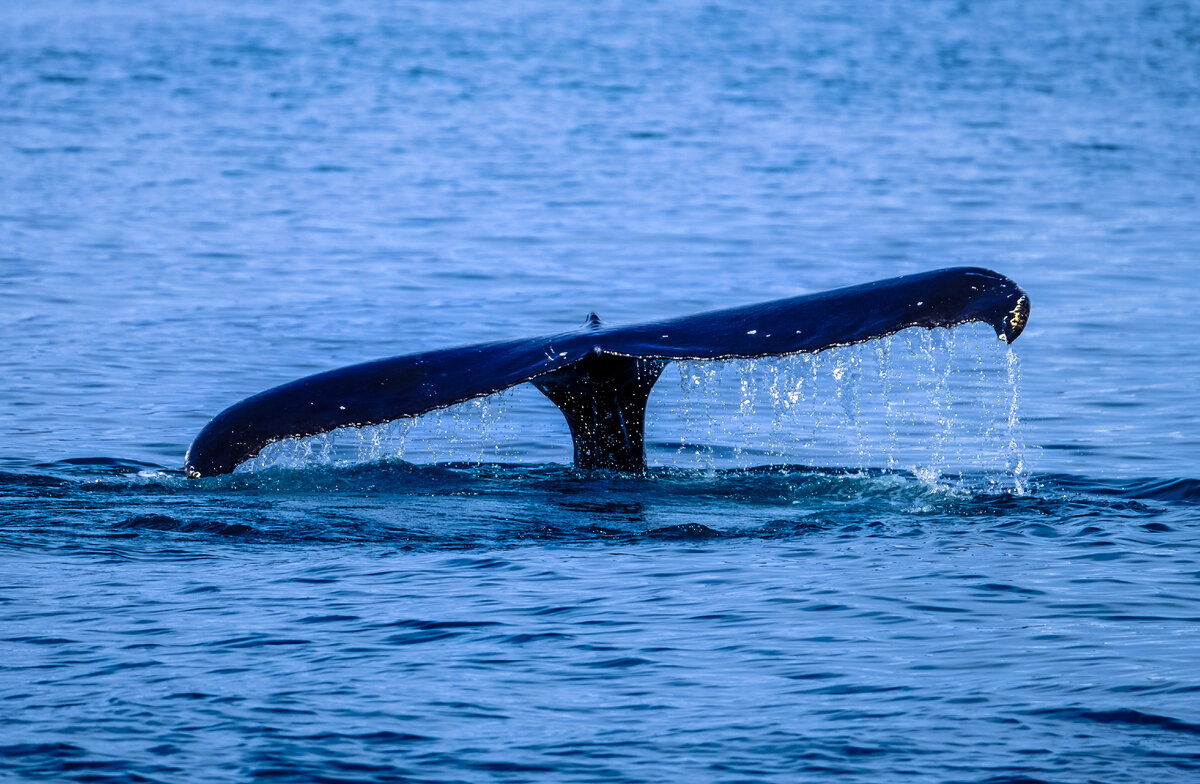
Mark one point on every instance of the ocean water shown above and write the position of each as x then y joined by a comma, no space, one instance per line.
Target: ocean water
932,557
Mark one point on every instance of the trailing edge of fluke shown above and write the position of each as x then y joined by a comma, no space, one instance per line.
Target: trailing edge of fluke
600,377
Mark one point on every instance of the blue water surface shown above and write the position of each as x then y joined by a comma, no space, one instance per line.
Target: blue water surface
927,558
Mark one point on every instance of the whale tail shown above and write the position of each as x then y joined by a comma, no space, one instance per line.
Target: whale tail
600,377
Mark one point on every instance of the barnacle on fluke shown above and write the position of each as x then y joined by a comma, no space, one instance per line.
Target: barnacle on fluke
1017,319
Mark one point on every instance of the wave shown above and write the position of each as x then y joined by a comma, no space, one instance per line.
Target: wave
453,505
399,475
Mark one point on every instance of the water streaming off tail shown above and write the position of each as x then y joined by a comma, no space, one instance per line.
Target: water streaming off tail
517,425
930,402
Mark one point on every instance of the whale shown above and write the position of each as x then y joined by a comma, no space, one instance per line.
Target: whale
599,376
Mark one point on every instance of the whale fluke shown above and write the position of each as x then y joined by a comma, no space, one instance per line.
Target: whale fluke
600,377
